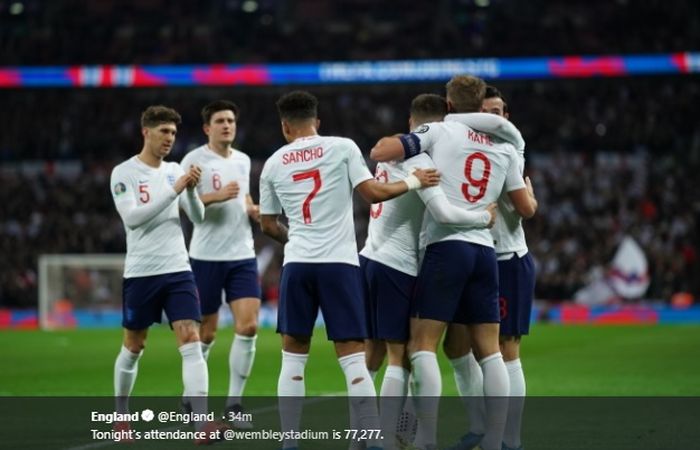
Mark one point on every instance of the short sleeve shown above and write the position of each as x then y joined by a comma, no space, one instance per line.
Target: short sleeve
423,161
121,186
514,176
420,140
269,202
357,166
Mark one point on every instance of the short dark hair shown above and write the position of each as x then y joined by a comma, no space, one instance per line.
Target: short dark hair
159,114
428,106
466,92
216,106
297,105
493,92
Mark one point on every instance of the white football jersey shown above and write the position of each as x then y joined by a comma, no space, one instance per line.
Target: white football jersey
146,201
508,234
312,180
474,168
395,225
225,234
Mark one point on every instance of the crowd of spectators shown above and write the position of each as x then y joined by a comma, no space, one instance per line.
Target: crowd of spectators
608,157
35,32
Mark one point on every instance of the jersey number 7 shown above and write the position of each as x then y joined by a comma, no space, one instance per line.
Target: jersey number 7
306,207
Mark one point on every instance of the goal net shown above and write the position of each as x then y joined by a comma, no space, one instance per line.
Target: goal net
80,290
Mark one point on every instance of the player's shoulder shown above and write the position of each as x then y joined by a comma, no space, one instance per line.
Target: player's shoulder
240,155
196,153
429,127
339,141
172,167
124,167
273,160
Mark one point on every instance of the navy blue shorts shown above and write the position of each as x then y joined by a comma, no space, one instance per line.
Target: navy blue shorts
458,282
517,289
335,288
145,298
239,279
388,295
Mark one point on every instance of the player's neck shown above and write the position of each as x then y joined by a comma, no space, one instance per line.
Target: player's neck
302,132
220,148
149,159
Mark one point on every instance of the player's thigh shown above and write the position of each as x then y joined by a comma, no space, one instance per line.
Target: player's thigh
142,301
210,277
180,298
388,295
242,280
516,286
441,280
340,298
297,308
479,301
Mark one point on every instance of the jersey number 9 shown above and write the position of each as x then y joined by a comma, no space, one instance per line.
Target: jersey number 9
478,183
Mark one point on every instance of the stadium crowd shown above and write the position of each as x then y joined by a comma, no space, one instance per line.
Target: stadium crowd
160,32
608,157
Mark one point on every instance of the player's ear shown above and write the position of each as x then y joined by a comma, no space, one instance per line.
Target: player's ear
410,123
144,132
206,128
450,106
318,124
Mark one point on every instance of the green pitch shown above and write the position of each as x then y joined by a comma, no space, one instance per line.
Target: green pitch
558,361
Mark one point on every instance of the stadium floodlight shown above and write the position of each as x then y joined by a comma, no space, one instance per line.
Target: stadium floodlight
79,290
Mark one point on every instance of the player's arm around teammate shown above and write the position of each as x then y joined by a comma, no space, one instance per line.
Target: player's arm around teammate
516,289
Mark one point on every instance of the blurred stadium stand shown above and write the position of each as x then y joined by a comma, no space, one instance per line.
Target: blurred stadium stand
609,156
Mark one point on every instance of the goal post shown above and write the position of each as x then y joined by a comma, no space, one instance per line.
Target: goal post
80,290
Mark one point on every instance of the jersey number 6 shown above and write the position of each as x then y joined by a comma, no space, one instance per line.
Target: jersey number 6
479,183
306,207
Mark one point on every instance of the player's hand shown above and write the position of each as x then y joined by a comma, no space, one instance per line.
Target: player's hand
229,191
195,173
528,186
427,177
254,212
492,210
181,183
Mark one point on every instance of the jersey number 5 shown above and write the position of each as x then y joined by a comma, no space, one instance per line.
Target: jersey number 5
478,183
144,196
306,207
